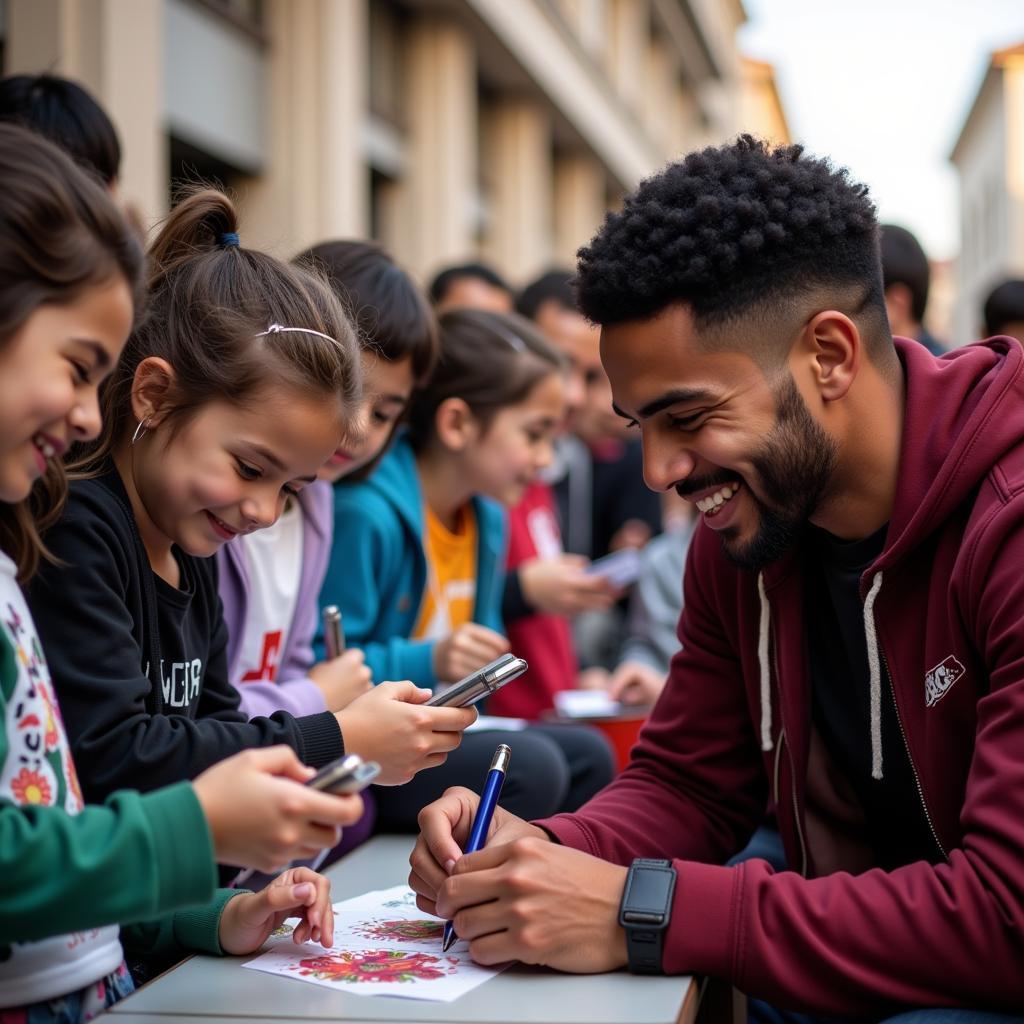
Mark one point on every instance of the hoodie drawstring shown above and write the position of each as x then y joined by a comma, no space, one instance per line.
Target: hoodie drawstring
765,667
875,669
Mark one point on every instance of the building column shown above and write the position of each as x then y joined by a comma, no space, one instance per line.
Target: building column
316,182
579,203
629,30
520,171
115,49
440,188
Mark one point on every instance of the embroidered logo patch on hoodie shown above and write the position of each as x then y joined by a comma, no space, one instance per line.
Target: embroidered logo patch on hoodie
940,679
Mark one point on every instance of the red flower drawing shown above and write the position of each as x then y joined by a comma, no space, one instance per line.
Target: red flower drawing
30,787
375,965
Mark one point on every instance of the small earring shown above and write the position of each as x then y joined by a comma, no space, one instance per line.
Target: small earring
140,430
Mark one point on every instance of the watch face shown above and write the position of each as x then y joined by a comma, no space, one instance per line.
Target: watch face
649,891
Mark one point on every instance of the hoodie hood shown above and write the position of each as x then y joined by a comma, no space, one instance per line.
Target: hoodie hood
963,413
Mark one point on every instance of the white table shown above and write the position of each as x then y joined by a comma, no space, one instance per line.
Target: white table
206,989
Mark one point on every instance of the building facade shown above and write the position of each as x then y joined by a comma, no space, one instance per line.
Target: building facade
447,129
989,158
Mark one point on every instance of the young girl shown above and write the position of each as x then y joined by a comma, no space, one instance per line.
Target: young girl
70,277
416,563
228,399
270,581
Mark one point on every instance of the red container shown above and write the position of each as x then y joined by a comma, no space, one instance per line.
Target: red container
622,730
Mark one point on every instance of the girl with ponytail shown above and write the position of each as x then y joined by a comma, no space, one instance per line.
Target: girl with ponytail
239,384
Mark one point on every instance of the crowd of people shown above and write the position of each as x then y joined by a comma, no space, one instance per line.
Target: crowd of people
202,445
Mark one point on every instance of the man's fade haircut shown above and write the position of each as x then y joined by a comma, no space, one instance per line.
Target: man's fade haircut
732,230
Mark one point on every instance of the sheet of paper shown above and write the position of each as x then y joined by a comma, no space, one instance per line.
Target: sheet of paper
383,946
586,704
494,722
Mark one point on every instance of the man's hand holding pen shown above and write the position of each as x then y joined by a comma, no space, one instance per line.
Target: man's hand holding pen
522,897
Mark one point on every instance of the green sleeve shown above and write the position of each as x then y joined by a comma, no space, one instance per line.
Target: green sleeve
133,857
196,929
136,856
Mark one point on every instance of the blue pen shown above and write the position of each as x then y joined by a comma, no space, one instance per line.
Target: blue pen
482,821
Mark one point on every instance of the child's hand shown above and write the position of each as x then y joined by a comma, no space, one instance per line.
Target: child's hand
248,919
391,725
342,679
636,683
261,817
470,647
561,586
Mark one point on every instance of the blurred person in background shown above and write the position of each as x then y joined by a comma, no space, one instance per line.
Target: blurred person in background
1004,310
545,587
470,286
63,112
597,477
906,277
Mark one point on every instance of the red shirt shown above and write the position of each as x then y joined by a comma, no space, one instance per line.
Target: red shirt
544,640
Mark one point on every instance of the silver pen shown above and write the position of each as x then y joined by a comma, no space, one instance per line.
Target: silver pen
334,634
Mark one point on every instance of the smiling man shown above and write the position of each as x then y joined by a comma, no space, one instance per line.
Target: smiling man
852,638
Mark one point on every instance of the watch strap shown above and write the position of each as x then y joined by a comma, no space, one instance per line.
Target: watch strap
644,918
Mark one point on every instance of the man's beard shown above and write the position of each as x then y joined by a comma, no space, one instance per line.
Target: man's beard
794,468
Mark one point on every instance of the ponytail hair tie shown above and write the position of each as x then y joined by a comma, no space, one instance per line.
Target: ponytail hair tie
228,239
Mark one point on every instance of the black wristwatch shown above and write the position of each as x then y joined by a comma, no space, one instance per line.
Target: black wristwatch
645,911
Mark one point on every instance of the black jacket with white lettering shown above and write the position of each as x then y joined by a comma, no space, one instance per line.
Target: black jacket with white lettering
130,724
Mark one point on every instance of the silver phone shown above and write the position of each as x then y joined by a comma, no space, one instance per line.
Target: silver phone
481,683
348,774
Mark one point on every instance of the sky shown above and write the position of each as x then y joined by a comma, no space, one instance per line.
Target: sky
883,87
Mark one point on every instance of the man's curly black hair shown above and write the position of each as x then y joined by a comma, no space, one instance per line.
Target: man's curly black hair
728,230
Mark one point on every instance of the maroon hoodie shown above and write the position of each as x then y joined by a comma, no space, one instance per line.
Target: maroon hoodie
944,621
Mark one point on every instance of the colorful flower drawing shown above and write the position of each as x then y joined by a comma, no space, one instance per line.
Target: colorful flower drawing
380,966
401,931
30,787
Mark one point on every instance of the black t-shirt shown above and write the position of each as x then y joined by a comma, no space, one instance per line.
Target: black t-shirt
897,830
139,666
184,643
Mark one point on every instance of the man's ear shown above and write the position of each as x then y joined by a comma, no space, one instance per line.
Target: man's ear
833,349
151,390
455,424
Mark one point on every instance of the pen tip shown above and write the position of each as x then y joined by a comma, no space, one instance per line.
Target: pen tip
449,941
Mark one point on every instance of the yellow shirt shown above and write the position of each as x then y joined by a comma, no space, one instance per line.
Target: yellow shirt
450,593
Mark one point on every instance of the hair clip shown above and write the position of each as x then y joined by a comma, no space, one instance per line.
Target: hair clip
278,329
228,239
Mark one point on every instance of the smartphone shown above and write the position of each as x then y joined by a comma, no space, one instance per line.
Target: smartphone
621,568
349,774
481,683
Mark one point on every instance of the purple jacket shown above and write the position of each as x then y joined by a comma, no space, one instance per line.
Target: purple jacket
293,690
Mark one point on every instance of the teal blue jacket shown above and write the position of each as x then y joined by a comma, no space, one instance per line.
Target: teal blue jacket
377,571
